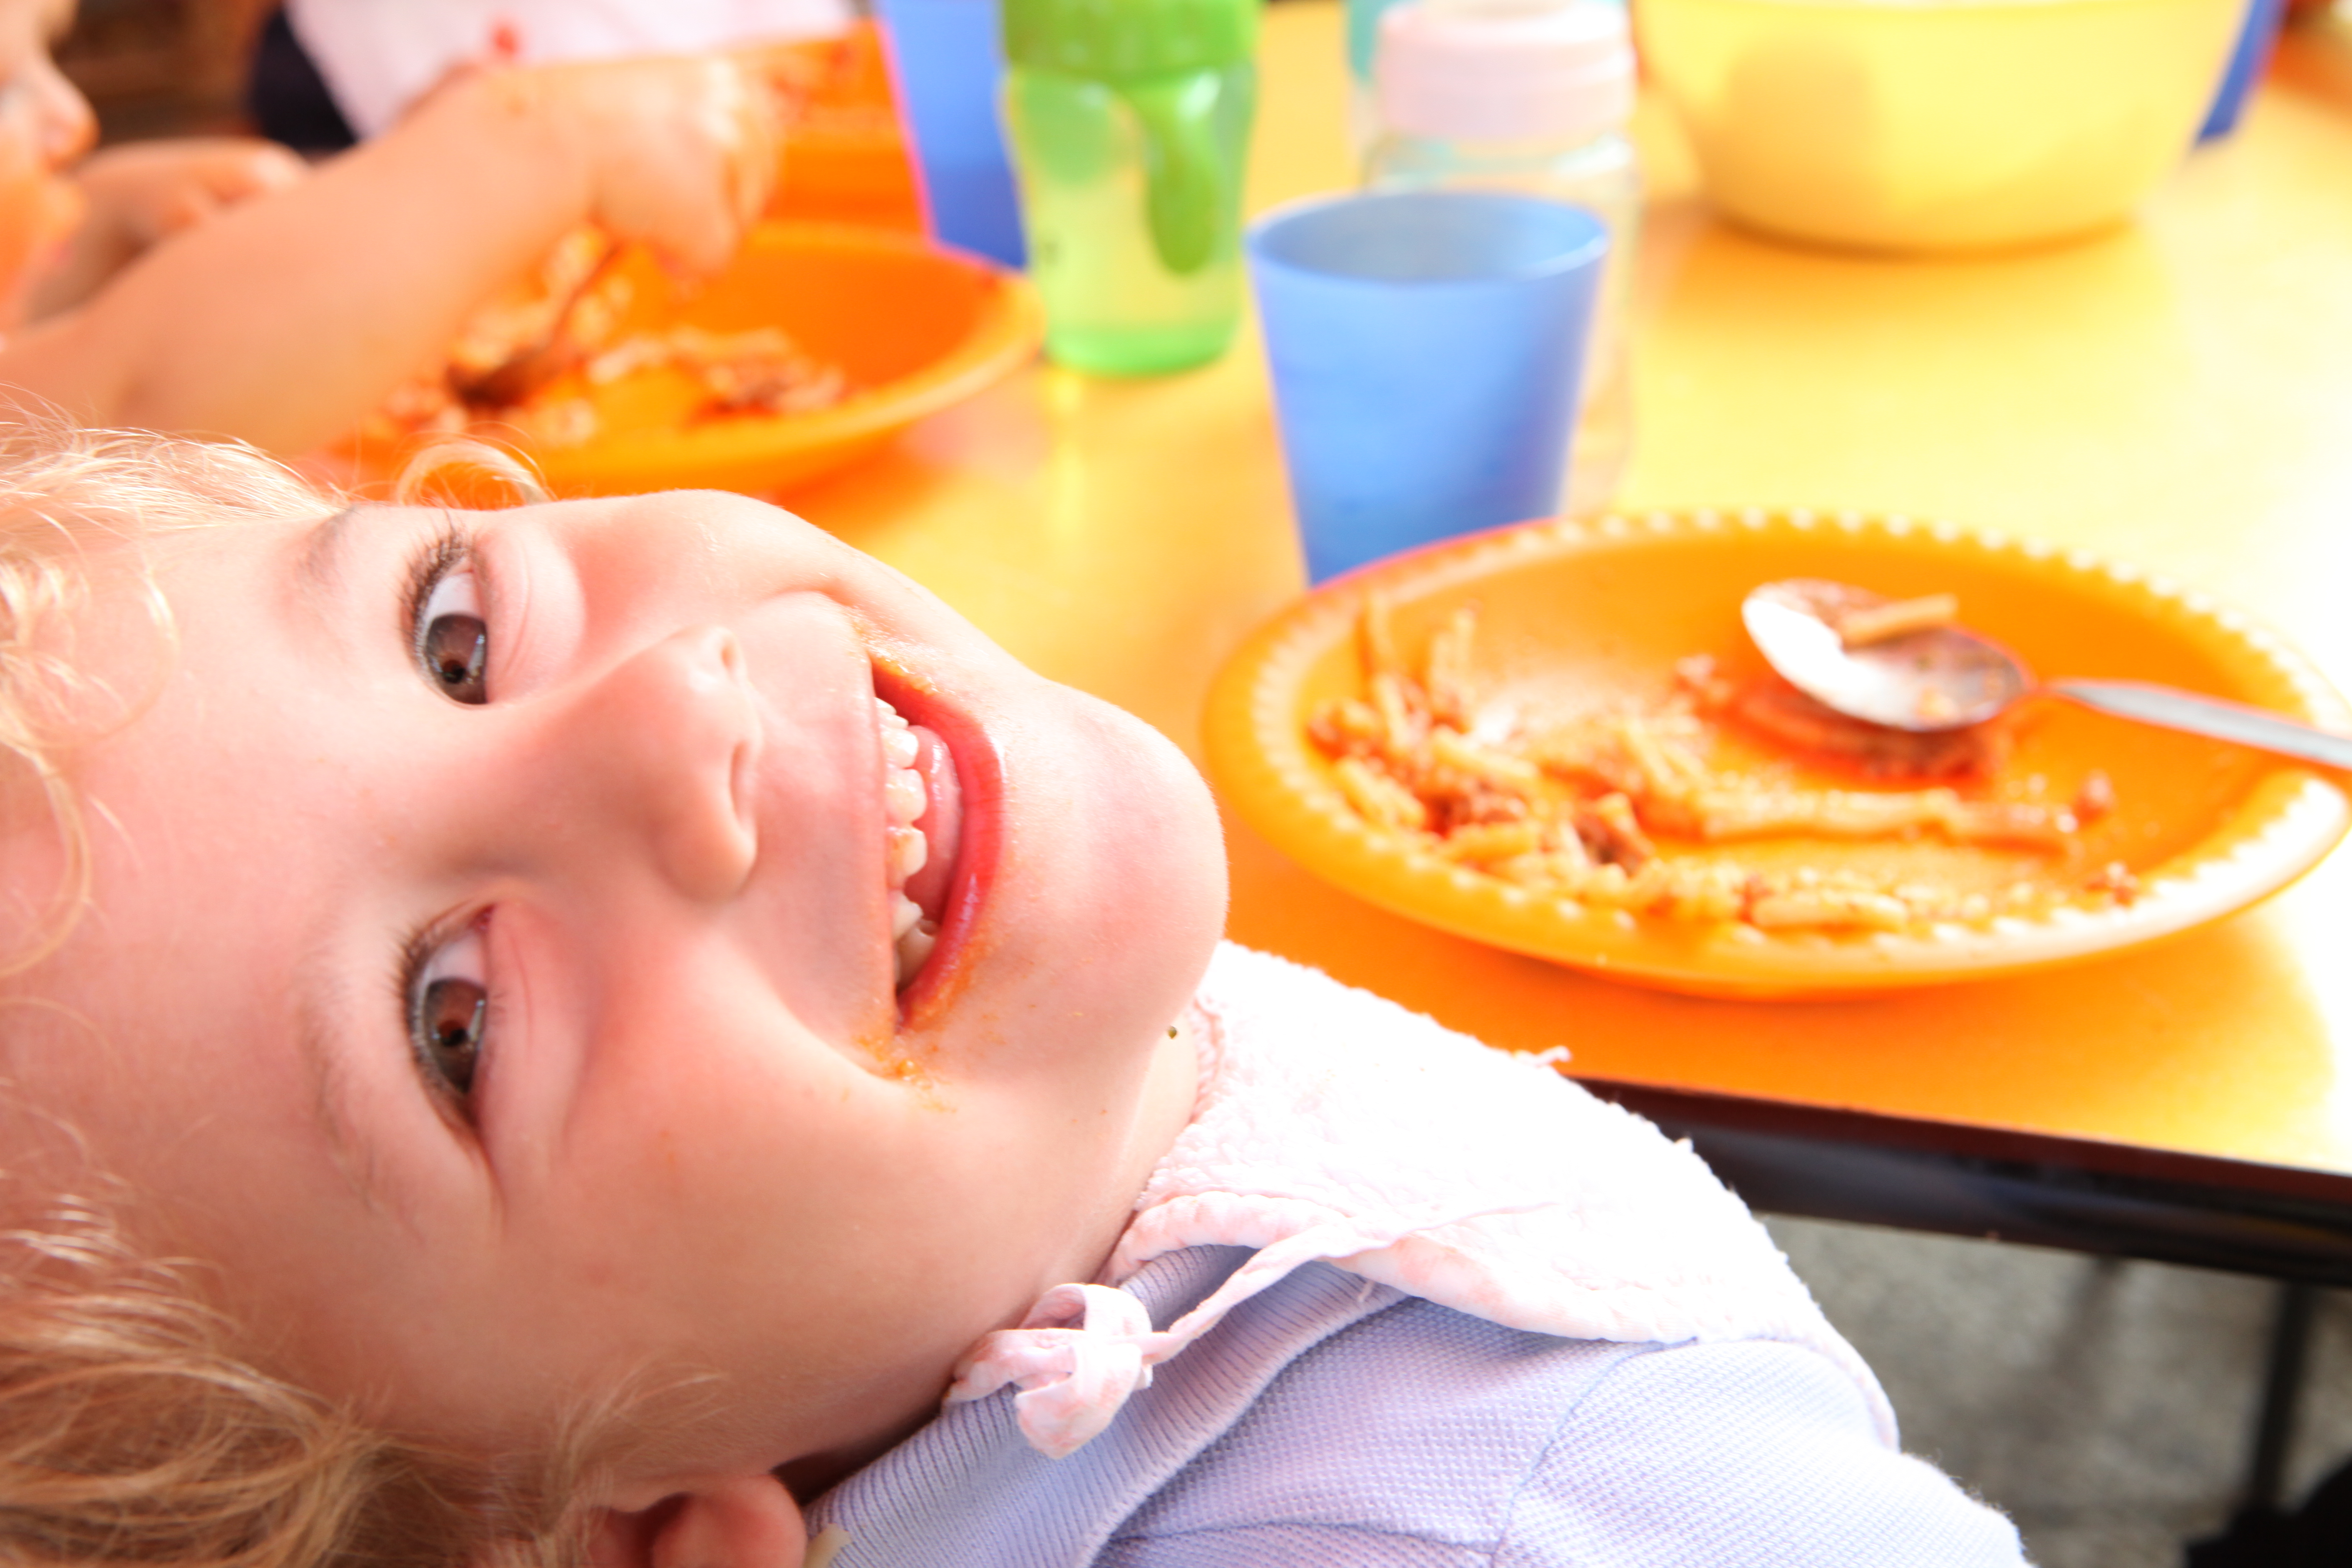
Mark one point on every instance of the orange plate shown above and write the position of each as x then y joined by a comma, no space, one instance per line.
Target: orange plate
1574,615
914,327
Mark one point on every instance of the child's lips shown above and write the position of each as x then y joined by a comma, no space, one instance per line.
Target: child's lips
962,781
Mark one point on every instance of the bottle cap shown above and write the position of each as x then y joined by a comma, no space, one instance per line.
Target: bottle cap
1560,72
1123,40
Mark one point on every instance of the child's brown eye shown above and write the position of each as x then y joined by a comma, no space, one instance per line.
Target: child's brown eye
453,640
449,1019
456,648
449,1013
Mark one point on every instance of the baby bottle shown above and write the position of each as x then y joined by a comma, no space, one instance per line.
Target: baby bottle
1363,38
1534,97
1129,120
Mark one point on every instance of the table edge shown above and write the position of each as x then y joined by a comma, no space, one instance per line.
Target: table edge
2080,1195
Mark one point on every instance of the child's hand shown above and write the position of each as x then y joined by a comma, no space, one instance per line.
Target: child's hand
136,196
680,154
152,189
287,318
746,1521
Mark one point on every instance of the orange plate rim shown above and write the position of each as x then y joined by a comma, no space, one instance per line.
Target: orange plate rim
1259,757
1006,335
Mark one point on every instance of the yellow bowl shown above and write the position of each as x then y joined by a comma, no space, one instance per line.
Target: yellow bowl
1937,125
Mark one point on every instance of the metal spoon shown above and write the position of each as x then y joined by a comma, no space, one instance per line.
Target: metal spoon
1944,677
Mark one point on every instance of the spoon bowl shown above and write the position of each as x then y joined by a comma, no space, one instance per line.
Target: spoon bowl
1939,678
1947,678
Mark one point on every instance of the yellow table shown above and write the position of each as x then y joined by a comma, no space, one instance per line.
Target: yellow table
2178,393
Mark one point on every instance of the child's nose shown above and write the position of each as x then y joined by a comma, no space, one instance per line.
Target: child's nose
664,749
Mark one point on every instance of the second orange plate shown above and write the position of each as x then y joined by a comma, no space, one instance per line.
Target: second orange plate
915,327
1574,615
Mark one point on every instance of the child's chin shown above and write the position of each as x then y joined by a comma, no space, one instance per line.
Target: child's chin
1159,867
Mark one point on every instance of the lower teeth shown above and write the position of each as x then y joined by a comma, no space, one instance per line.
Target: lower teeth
913,946
906,852
911,933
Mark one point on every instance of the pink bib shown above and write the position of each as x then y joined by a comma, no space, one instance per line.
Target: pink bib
1334,1125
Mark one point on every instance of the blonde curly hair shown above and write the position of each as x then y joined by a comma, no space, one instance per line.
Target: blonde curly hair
133,1432
132,1428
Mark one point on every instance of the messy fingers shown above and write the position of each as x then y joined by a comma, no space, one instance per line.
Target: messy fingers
759,112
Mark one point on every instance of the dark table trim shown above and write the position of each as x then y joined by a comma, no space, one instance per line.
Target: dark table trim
2285,1222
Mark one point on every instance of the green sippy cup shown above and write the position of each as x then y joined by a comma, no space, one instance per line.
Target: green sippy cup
1129,120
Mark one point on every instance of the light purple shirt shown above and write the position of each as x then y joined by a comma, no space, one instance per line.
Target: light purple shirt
1337,1423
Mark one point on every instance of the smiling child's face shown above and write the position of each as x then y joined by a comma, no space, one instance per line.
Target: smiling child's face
501,1028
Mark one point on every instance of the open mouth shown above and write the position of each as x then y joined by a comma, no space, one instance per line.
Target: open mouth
922,817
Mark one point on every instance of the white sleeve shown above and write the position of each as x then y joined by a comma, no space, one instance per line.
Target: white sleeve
377,57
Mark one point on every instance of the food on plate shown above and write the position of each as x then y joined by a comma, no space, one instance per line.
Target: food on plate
1861,625
1777,709
530,359
1623,807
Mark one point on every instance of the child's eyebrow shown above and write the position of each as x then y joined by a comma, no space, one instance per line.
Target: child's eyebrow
320,568
319,1002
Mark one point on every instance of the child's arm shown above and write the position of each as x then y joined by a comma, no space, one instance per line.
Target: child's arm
136,196
285,319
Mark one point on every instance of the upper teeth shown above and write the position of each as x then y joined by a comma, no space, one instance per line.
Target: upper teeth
903,801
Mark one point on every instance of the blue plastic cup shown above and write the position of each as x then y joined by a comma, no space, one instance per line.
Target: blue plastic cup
947,61
1427,348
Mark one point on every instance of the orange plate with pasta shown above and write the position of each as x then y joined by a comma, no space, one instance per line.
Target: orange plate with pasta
914,329
1574,616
